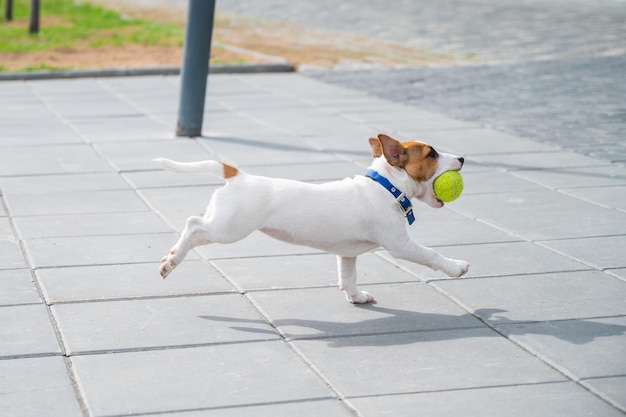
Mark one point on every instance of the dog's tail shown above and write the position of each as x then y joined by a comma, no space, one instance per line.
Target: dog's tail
215,168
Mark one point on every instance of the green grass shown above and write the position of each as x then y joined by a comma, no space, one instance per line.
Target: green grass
70,23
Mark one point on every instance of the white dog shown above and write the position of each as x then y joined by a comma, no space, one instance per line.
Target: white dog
346,218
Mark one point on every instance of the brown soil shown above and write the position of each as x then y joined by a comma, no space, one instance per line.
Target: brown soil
133,56
298,44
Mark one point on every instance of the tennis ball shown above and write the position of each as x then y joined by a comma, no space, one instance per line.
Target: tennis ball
448,186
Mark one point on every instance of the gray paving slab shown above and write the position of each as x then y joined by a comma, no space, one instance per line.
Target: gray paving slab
166,179
599,252
48,130
401,308
613,389
98,250
551,399
611,197
17,287
543,215
138,155
90,224
100,105
26,330
299,408
580,348
480,141
537,160
565,178
37,387
440,227
493,181
249,100
418,127
177,204
145,86
11,256
214,126
236,125
254,151
122,129
128,281
351,146
44,184
51,159
151,323
75,202
78,88
619,273
537,223
210,377
521,298
304,271
322,126
423,361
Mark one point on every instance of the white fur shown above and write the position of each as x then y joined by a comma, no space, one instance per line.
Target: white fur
346,218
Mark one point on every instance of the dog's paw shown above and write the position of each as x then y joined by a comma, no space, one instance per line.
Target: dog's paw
360,297
168,263
456,268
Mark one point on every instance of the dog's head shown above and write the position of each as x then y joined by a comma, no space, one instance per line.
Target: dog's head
416,164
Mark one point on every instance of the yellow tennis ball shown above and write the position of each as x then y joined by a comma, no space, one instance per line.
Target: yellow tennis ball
448,186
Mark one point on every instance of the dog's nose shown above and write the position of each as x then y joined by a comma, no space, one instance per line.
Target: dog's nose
462,160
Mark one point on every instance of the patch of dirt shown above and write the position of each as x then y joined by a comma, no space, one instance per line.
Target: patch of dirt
133,56
236,40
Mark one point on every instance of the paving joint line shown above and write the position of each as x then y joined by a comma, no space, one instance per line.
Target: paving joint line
528,349
141,297
114,351
224,407
53,320
394,394
320,375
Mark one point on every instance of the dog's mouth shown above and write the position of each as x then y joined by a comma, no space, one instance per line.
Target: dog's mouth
429,195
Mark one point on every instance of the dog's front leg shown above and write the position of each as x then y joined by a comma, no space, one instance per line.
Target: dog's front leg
414,252
347,281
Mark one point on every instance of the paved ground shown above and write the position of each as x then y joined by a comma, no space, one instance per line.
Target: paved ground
258,328
553,71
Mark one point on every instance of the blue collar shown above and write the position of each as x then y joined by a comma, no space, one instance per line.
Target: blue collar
404,203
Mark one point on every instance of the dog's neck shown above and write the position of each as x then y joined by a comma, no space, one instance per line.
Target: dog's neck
397,176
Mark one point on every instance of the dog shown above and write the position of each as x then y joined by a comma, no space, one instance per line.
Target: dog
346,218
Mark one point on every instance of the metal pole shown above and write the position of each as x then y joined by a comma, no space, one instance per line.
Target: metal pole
8,10
195,68
34,17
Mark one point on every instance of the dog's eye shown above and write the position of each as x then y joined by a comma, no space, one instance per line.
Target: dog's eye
433,153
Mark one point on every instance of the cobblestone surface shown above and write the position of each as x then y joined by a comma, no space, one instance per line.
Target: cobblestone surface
553,71
578,105
493,30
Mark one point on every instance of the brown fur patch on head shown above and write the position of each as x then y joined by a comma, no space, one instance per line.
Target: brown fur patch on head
422,160
417,158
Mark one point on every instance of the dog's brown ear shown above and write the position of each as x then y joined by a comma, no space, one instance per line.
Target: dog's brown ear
394,151
377,147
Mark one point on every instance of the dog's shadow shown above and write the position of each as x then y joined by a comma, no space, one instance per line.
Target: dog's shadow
399,328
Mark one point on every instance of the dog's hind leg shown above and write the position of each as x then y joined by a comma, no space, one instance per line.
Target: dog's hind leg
346,267
196,233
